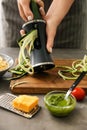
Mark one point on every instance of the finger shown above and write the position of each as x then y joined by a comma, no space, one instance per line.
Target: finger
50,39
28,12
40,3
41,7
22,32
49,45
42,11
24,9
21,12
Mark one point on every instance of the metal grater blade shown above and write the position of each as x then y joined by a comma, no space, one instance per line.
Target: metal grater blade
5,102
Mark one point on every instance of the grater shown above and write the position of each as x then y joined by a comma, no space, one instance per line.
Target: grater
5,102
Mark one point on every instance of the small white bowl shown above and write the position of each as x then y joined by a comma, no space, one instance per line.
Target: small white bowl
10,62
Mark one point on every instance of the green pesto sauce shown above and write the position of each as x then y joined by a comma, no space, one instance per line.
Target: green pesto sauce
59,100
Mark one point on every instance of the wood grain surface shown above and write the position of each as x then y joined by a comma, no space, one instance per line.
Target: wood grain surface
44,82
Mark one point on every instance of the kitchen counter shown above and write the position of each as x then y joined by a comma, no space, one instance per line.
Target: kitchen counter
43,120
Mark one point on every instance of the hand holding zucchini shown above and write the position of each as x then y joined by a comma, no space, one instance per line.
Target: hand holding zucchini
26,44
39,59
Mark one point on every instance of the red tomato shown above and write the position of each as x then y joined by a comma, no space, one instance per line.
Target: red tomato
79,93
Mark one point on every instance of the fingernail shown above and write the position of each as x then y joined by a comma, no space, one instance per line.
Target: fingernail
29,18
41,8
50,50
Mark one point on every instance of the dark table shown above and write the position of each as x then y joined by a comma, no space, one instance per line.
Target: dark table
77,120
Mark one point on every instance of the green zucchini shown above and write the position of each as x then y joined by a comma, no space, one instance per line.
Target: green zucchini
35,9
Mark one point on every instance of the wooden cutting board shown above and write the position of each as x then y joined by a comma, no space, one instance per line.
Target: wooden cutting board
46,81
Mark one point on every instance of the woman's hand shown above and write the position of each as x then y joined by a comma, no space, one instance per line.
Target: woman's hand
55,14
25,11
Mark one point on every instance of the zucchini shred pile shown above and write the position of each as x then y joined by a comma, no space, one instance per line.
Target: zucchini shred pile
26,44
78,66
